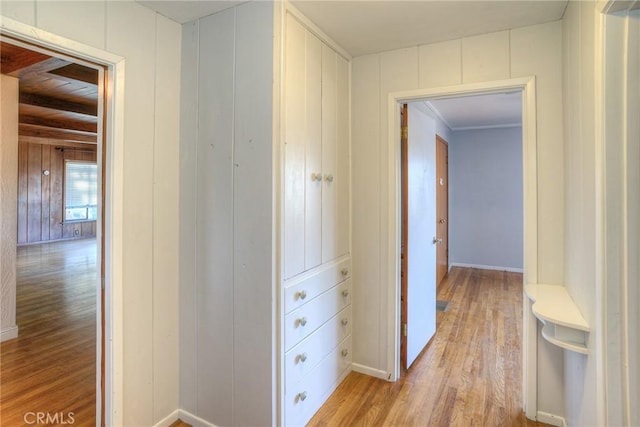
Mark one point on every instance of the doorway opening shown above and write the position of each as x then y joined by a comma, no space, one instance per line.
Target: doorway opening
526,87
53,366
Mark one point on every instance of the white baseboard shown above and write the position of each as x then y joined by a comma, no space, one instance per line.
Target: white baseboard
554,420
168,420
195,421
485,267
9,333
367,370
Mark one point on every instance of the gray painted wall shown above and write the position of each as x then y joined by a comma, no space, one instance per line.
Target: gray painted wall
485,198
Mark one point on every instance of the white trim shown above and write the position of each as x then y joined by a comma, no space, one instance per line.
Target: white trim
551,419
435,111
169,419
528,87
372,372
501,126
114,399
195,421
9,333
486,267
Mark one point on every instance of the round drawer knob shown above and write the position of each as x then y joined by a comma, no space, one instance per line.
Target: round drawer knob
302,357
344,271
345,322
301,294
345,293
302,321
301,396
345,352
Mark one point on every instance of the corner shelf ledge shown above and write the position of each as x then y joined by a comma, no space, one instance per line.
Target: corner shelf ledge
563,323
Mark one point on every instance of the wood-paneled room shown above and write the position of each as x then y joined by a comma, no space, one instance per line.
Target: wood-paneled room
50,193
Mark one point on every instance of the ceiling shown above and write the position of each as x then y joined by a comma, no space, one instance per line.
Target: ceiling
363,26
58,99
480,111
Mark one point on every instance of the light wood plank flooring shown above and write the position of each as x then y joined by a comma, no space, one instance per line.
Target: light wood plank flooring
469,374
51,366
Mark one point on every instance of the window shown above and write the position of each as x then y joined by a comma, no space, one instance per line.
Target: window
80,191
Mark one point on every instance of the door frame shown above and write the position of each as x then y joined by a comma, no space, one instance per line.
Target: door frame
530,221
112,134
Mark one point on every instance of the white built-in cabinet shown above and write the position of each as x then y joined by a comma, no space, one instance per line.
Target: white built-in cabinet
316,264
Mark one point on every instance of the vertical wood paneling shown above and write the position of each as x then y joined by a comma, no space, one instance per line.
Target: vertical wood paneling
485,57
343,157
56,181
131,31
214,210
254,287
40,197
83,21
188,372
45,193
23,185
366,210
440,64
165,219
34,193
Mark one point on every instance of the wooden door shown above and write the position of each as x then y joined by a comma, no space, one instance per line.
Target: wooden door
404,131
442,208
418,232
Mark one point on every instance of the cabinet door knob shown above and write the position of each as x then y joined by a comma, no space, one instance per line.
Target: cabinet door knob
301,396
345,352
301,294
344,271
302,321
345,322
328,177
302,357
316,177
345,293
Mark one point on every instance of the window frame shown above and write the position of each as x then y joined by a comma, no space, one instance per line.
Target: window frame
64,191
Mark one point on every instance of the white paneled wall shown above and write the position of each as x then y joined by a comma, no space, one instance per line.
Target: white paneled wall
227,334
583,405
150,44
529,51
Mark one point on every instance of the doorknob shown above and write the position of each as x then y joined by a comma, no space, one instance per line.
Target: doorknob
442,221
437,241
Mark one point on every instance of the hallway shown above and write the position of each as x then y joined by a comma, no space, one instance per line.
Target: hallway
469,374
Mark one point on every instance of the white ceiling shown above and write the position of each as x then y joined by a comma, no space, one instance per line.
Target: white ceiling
480,111
188,10
363,27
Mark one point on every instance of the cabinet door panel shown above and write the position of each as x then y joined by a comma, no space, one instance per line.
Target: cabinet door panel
313,155
329,149
343,158
295,134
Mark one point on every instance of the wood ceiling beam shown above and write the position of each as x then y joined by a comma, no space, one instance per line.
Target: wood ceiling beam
54,133
13,59
75,72
56,142
39,68
69,124
59,104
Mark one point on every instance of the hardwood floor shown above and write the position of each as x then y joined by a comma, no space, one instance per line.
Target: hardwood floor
51,367
470,374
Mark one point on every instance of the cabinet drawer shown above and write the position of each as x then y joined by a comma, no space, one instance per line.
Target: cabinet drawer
298,292
302,358
300,323
305,397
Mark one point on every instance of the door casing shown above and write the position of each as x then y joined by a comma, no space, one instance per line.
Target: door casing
530,263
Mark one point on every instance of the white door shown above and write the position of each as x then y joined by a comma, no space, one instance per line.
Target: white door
421,230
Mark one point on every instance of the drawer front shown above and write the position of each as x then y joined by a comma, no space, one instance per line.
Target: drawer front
300,323
305,397
297,292
305,356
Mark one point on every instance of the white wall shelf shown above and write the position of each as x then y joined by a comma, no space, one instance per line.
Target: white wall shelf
563,323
